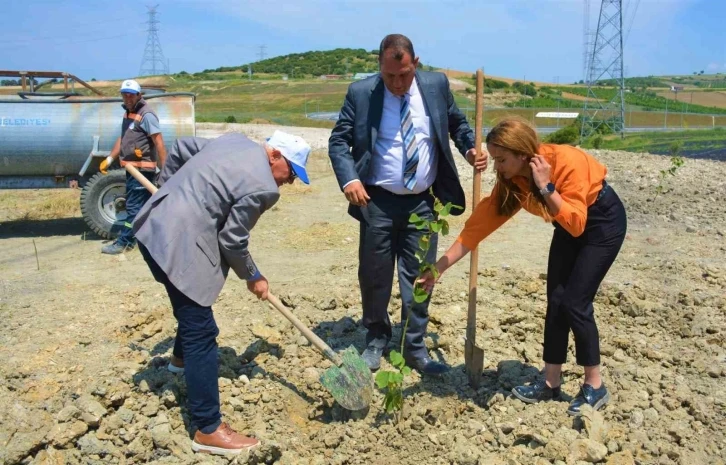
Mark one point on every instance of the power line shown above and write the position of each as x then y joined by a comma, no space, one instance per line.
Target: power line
55,38
632,19
69,41
153,62
68,26
605,63
261,54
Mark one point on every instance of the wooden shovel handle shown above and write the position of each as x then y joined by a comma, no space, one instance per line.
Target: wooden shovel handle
474,264
309,335
140,177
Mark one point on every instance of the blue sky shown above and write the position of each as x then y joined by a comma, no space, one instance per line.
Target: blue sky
537,39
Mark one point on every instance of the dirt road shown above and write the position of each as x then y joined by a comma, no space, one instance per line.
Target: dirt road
84,339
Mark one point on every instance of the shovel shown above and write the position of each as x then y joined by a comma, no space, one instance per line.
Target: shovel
474,355
349,380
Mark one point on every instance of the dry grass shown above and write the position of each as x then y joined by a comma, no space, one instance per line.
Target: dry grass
41,204
705,98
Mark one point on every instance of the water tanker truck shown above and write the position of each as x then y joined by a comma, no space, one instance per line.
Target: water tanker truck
54,140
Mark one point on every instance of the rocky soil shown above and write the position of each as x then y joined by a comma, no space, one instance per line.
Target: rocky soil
84,341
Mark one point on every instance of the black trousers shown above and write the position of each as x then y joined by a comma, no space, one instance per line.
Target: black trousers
387,238
576,267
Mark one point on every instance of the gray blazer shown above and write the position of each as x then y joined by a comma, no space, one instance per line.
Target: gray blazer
198,224
352,140
184,148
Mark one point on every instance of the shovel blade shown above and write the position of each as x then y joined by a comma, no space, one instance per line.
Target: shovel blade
474,361
351,383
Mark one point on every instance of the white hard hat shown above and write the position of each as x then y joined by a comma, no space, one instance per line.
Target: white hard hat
129,86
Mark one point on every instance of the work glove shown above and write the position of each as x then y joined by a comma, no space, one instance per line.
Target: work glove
105,164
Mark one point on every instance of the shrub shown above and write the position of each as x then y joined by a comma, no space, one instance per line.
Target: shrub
230,119
567,135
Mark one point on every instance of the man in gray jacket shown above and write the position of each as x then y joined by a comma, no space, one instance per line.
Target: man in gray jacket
192,231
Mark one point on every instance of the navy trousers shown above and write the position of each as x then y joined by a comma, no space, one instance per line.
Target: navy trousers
196,344
387,238
136,197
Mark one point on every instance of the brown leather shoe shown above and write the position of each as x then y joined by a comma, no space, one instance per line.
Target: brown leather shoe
176,365
223,441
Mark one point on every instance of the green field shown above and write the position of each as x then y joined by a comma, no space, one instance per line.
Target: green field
287,102
694,143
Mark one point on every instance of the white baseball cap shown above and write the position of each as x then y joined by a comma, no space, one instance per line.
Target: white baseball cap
294,149
129,86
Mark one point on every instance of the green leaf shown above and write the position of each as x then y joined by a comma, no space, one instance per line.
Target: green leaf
396,358
397,378
421,225
420,255
382,378
423,243
445,228
405,371
435,226
446,210
388,403
414,218
419,295
432,268
438,207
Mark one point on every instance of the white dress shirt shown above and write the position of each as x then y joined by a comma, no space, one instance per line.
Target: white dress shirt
388,156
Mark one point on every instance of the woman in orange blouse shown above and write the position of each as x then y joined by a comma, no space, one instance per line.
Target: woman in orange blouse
566,187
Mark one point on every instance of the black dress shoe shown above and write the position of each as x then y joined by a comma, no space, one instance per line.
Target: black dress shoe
537,392
597,398
426,366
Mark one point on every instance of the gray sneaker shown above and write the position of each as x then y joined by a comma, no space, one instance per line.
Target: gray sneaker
373,353
115,248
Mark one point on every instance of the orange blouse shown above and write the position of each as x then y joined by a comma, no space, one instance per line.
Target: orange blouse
577,177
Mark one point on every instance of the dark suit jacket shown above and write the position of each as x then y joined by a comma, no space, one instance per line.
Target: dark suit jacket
351,143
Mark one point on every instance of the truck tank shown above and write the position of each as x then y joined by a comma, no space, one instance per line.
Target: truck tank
58,140
50,137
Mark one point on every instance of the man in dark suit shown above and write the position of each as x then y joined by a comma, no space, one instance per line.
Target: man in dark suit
389,146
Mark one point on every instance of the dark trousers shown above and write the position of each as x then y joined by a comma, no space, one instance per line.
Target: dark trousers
388,238
196,343
576,267
136,197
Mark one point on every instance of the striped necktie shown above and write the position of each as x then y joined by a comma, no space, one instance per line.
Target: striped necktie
410,147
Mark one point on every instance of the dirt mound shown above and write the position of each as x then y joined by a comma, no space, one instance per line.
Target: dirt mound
85,340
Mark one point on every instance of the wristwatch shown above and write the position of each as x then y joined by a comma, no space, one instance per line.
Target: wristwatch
548,190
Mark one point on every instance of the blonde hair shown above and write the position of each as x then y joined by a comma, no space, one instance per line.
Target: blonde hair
519,137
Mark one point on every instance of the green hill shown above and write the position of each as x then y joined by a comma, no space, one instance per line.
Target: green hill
315,63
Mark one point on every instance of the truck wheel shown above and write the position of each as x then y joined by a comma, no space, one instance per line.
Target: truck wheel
103,203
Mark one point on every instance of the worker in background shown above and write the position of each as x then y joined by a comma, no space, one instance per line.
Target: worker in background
141,145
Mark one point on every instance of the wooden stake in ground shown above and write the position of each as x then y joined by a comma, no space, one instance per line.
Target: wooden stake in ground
37,262
474,355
